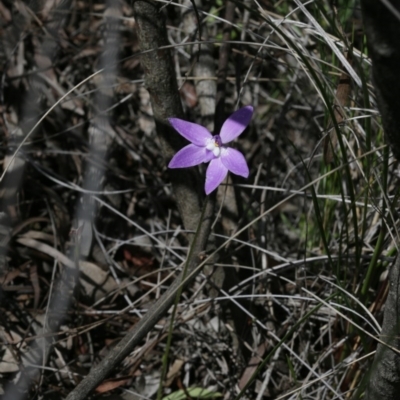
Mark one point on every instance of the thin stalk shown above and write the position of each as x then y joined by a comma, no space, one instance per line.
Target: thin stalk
177,297
379,244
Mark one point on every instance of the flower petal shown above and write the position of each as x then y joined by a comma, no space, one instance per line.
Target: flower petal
196,134
216,173
236,124
209,156
189,156
234,161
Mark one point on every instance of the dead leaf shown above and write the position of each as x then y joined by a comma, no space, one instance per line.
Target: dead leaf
35,284
139,260
9,276
45,248
8,363
174,371
342,99
188,93
253,365
100,282
112,384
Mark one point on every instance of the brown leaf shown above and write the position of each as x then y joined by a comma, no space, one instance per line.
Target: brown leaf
35,284
342,99
8,277
100,282
5,13
139,260
112,384
188,93
252,365
174,371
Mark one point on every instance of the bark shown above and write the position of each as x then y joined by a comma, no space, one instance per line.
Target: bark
382,27
203,63
384,379
160,81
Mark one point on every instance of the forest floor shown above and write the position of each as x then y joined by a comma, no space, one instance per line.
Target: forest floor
308,274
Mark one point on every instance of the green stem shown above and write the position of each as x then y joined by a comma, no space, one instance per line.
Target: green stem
177,297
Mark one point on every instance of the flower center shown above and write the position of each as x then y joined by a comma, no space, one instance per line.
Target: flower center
214,144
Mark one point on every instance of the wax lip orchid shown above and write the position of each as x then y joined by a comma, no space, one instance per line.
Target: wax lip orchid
205,147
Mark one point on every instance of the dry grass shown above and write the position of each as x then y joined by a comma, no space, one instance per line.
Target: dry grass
320,233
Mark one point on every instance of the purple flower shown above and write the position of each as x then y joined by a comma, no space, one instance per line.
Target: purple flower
205,147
